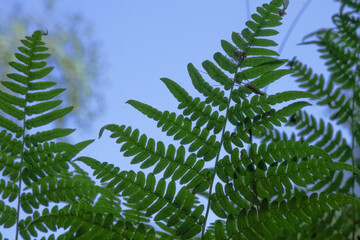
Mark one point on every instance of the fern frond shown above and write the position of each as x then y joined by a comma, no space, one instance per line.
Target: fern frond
9,166
9,144
44,160
33,159
181,128
315,132
67,190
348,23
198,110
133,214
246,42
85,224
143,191
283,170
257,126
188,170
340,59
249,184
330,226
45,136
266,222
8,190
334,99
7,215
259,105
214,96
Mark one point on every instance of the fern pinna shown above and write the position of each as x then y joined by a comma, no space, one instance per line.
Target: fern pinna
248,186
340,94
36,167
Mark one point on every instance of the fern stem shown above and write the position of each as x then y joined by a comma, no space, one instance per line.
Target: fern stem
353,130
20,179
215,166
22,154
288,33
293,24
247,9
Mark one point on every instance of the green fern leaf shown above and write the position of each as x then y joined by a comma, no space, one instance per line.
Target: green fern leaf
131,184
179,93
44,96
292,108
7,215
33,75
216,74
10,125
9,190
41,85
20,67
16,88
42,107
45,136
212,95
11,110
255,61
269,77
225,63
18,78
347,167
261,52
258,70
12,99
288,96
47,118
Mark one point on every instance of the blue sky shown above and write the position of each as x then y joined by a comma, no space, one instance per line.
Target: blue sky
142,41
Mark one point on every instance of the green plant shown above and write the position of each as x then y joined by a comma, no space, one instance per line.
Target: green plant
34,164
280,188
76,69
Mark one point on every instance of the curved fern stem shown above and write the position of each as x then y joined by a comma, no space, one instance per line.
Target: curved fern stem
247,9
357,72
293,24
216,161
21,166
20,179
288,33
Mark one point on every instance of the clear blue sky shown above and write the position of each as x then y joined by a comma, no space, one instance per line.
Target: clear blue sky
142,41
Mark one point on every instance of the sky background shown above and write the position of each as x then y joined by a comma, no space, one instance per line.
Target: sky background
141,41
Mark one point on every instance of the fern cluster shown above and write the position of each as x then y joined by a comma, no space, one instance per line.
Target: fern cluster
36,166
259,182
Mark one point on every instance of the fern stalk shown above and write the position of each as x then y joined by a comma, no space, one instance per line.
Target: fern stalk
215,165
29,67
247,9
353,141
20,177
293,25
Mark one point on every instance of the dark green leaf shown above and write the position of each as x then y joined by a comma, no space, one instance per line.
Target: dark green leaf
40,74
43,96
269,77
47,118
42,107
16,88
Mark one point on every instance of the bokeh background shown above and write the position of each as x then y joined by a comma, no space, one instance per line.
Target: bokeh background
107,52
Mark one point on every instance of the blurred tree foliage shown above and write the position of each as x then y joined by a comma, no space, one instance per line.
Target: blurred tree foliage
69,36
